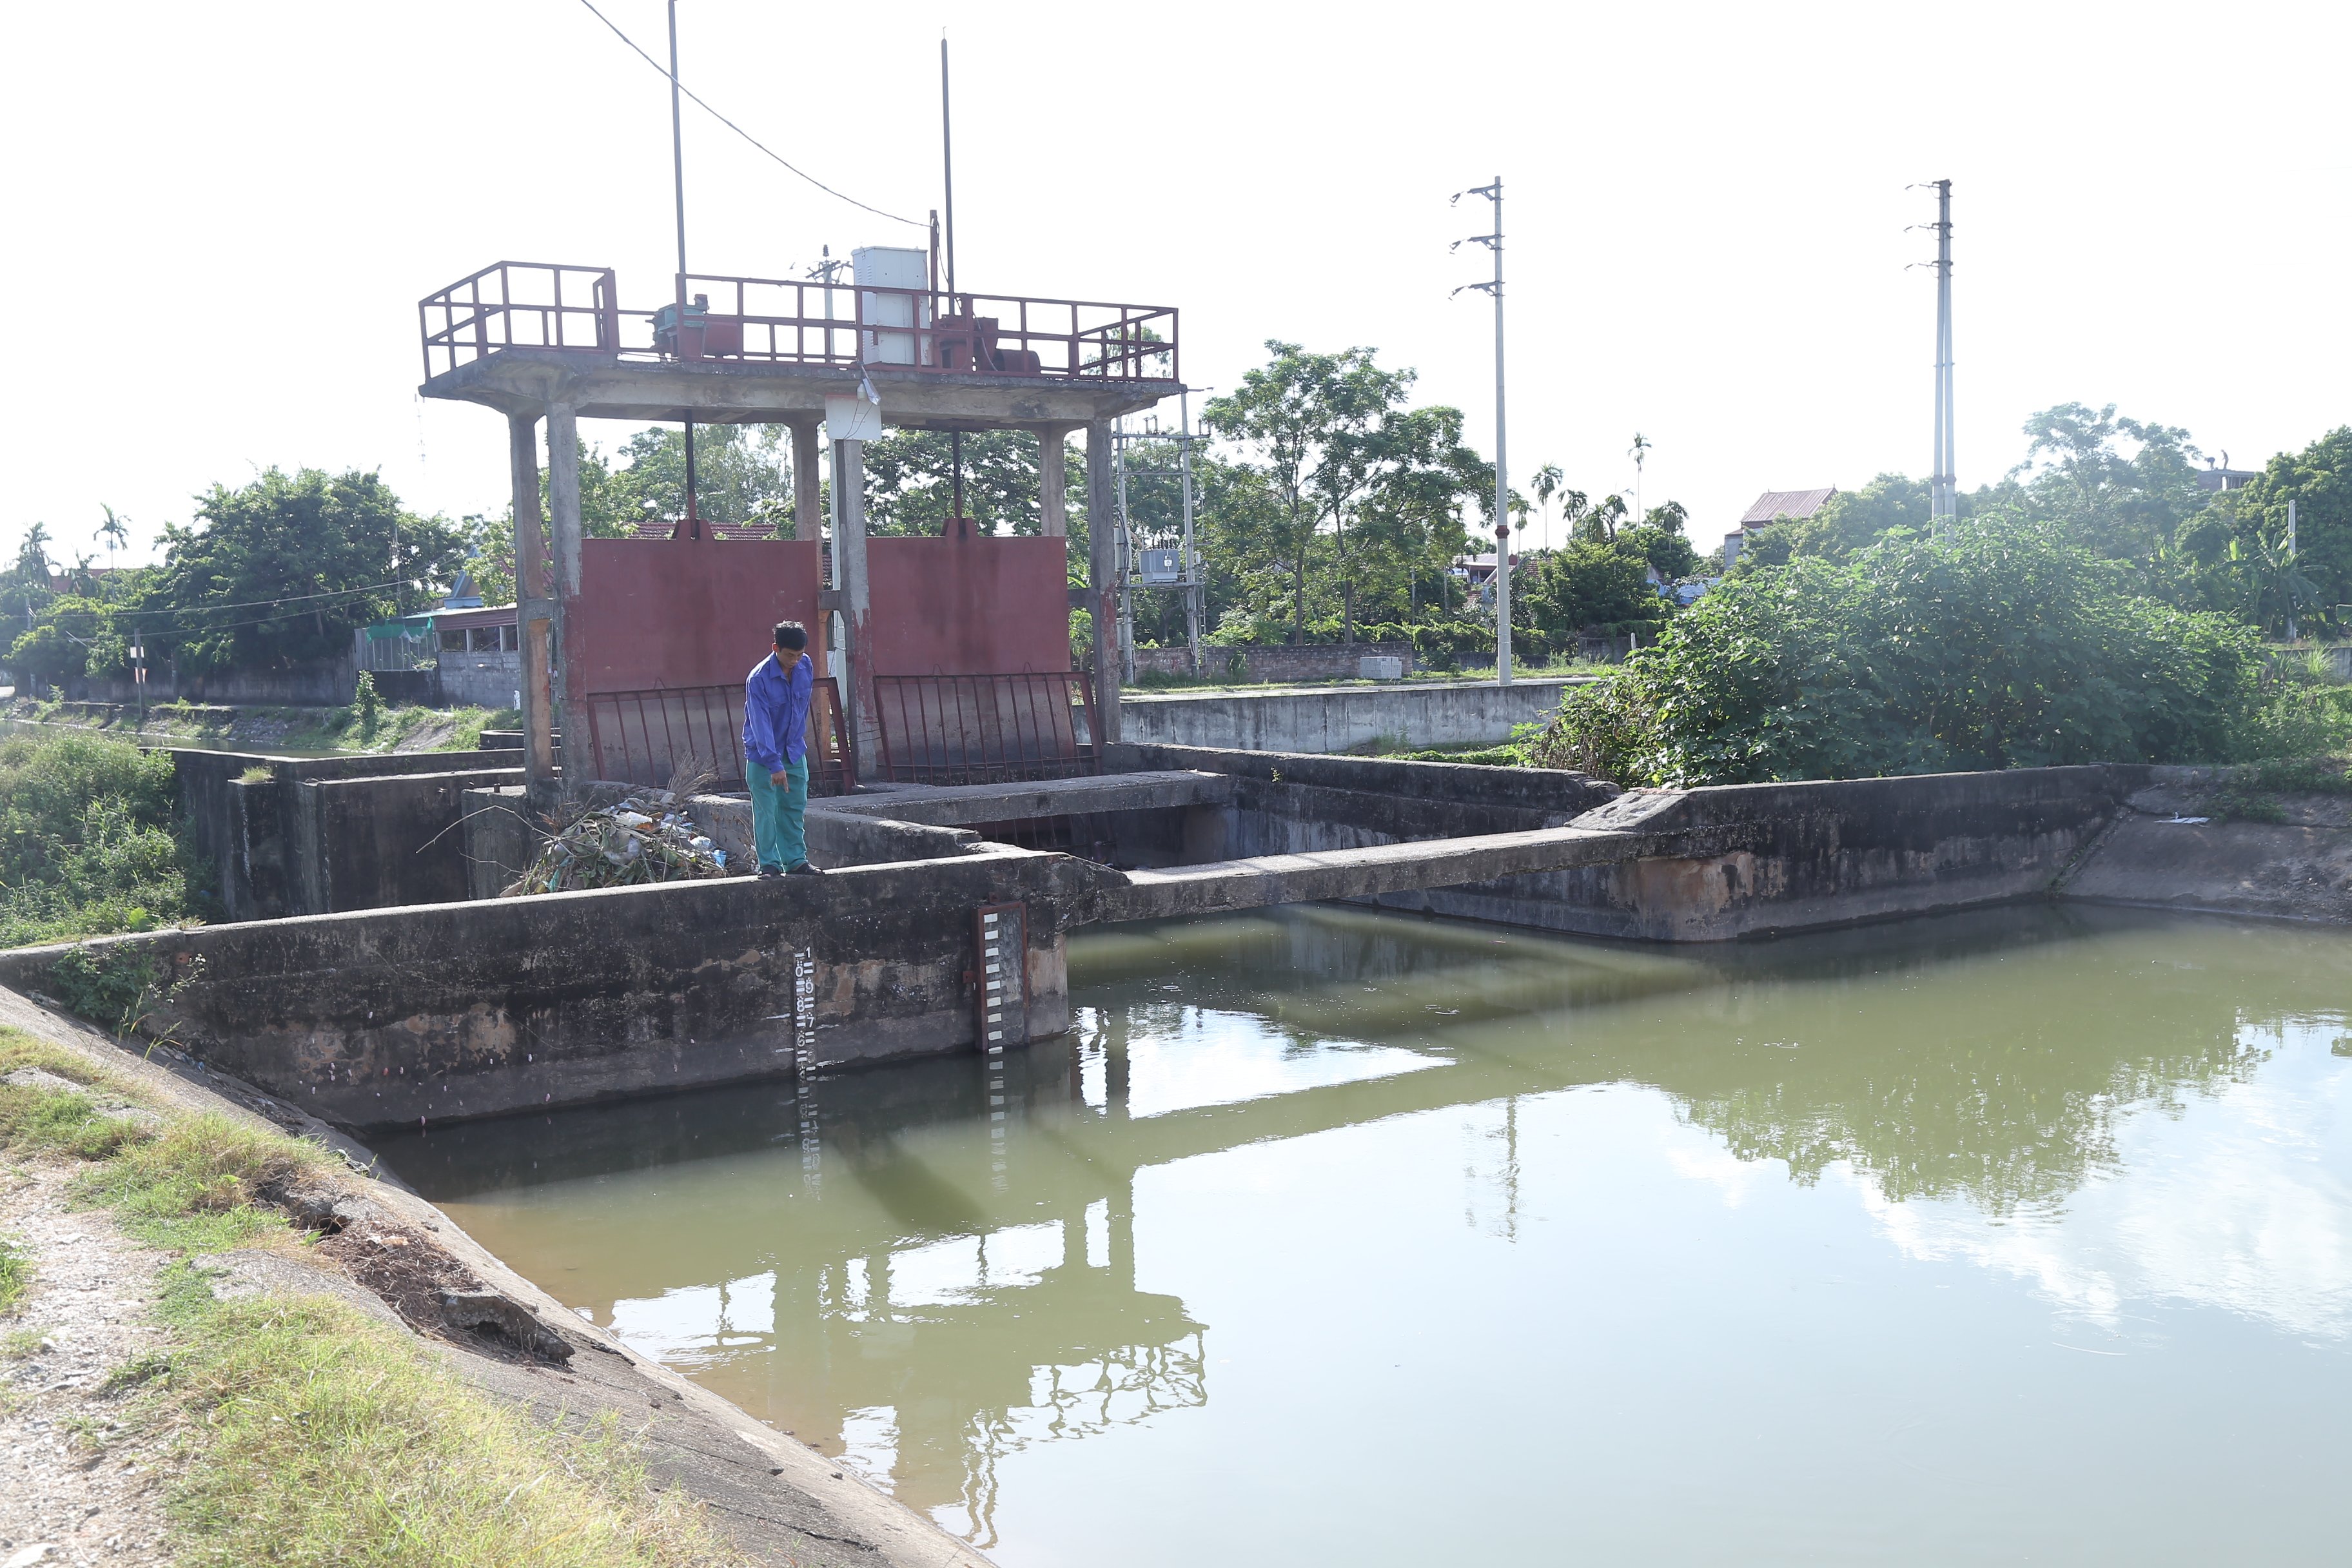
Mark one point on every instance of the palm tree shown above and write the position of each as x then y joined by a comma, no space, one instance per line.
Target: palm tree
1638,451
115,531
2275,584
1546,484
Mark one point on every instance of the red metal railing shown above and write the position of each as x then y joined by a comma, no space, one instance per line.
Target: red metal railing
641,737
782,320
986,729
520,304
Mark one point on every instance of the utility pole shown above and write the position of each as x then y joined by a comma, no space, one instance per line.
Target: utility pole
1943,504
2290,569
1494,242
678,184
947,164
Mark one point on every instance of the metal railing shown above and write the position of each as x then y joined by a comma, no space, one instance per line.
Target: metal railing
986,729
643,737
783,320
520,304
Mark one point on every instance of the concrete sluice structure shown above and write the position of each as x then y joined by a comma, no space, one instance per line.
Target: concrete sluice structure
980,800
942,931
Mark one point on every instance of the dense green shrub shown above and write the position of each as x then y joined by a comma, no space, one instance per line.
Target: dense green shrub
87,839
2007,645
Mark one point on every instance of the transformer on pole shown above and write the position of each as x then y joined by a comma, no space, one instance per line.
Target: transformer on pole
1158,566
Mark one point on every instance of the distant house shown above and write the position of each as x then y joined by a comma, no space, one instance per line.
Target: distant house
2221,476
1769,508
1475,570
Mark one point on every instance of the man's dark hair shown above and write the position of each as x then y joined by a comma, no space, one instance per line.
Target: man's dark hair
792,635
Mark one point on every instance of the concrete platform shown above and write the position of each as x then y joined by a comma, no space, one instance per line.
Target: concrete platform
604,385
1260,880
964,804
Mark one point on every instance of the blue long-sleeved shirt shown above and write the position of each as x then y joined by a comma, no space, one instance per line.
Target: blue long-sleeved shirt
775,714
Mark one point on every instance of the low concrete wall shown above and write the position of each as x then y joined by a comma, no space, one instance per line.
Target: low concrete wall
2176,846
1343,718
481,679
1307,661
1691,866
279,849
329,683
505,1004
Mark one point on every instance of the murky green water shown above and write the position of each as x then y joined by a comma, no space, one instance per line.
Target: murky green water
1351,1239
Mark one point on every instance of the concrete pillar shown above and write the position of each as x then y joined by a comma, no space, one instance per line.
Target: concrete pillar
857,600
563,501
535,610
808,524
1102,576
1052,503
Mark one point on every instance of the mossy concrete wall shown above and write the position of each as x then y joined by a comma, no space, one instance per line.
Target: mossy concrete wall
503,1004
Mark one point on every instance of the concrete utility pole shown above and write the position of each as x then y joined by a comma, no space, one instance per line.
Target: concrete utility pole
678,184
1943,504
2290,567
946,173
1494,242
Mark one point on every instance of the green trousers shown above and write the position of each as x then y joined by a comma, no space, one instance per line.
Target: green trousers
778,813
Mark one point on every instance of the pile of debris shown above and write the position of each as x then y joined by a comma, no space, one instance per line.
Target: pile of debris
646,836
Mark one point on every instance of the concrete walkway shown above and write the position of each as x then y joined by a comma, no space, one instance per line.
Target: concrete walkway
1265,879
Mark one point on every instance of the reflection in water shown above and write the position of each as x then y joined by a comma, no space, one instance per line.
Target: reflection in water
1538,1208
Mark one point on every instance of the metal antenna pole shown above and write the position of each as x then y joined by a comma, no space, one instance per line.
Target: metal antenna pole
677,183
1944,492
947,164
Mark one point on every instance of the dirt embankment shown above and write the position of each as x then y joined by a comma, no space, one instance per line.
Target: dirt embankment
79,1480
2214,840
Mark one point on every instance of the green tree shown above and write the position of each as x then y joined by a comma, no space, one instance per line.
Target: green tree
1328,431
282,570
2009,644
1591,586
910,480
2318,479
2122,487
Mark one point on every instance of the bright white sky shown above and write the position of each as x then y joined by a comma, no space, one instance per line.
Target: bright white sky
222,216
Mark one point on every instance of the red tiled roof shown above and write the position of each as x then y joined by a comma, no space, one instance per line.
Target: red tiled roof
1786,503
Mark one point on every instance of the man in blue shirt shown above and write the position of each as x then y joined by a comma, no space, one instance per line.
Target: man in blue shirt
775,753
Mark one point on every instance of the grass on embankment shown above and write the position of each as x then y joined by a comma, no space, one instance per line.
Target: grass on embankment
358,729
309,1433
90,840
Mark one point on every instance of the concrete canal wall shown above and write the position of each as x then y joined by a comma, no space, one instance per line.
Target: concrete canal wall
320,835
465,1008
505,1004
1702,865
1343,718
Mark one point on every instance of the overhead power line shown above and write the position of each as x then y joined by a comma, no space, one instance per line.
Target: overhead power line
739,131
255,604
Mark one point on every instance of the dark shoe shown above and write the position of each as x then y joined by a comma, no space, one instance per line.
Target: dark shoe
767,871
805,870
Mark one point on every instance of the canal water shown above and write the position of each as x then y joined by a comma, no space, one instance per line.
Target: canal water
1350,1238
